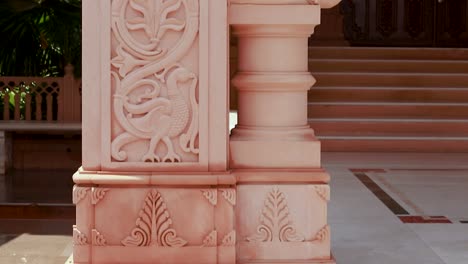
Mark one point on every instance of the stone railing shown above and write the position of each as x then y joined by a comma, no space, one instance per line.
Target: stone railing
49,99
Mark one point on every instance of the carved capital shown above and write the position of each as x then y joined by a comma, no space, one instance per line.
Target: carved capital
322,3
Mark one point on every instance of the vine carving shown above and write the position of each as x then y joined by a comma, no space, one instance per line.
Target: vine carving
155,97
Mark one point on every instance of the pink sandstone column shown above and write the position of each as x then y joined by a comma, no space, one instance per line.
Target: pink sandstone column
281,214
154,186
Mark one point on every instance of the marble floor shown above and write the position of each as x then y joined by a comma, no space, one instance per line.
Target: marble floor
386,208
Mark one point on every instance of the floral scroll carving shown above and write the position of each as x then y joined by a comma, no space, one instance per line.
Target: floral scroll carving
79,238
211,239
229,240
155,97
98,239
153,227
323,191
97,194
229,195
211,195
275,223
79,193
323,234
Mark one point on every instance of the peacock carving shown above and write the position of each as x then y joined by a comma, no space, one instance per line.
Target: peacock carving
155,96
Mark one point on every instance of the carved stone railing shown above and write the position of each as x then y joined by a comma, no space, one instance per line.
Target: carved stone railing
49,99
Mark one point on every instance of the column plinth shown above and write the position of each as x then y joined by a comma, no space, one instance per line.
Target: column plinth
281,214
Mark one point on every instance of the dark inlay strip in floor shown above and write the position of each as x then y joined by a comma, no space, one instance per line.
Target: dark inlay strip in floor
381,194
464,221
424,220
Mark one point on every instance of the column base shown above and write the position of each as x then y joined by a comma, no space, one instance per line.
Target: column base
154,224
324,261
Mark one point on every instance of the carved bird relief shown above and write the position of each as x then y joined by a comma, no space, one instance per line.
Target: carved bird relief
155,96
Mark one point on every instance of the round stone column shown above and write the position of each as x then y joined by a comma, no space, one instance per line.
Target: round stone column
272,83
282,191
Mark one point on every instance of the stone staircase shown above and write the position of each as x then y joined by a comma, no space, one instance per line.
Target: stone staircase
390,99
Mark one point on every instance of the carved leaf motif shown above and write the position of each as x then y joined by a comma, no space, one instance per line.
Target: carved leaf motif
211,195
229,240
79,193
153,225
275,224
78,237
98,239
211,239
229,195
97,194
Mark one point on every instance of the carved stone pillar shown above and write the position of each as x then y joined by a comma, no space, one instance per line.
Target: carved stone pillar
154,186
281,214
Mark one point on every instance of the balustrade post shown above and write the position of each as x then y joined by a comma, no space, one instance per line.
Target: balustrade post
281,188
65,99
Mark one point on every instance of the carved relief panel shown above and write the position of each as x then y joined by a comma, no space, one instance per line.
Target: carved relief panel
272,218
155,80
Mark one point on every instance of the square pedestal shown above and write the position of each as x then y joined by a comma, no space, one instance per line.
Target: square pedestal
154,225
283,223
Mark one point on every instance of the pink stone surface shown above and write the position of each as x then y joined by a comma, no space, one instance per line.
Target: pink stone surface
152,91
162,181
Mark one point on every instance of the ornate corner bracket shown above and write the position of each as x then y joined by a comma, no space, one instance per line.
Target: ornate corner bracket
211,195
229,240
211,240
229,195
323,191
97,238
79,239
97,194
79,193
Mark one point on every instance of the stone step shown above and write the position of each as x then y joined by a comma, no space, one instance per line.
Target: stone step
393,144
374,65
385,53
393,127
385,94
387,110
391,79
36,211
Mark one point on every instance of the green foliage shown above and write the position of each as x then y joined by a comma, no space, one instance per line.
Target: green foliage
40,37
